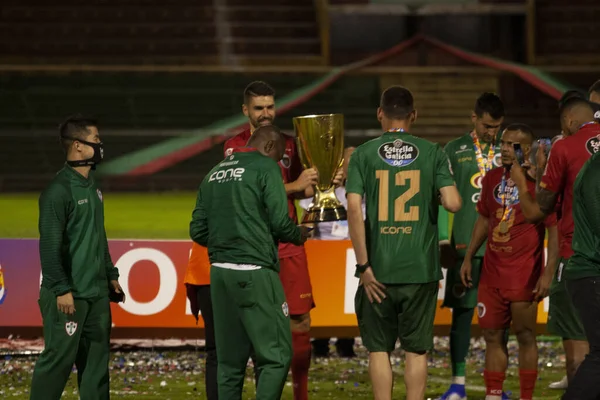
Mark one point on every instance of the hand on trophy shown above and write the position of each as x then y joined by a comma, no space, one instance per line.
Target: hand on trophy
338,179
308,177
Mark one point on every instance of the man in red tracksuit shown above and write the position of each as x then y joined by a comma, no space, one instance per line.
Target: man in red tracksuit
259,107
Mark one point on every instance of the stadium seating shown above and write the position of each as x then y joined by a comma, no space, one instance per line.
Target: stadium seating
107,32
567,32
158,32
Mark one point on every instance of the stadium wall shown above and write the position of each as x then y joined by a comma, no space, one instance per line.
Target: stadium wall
152,274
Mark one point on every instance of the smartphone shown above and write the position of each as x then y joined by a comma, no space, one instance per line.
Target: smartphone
547,143
519,153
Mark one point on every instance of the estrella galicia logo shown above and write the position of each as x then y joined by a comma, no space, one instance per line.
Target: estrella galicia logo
510,189
593,145
398,153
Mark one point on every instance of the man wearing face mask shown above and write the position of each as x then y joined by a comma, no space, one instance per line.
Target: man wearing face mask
78,277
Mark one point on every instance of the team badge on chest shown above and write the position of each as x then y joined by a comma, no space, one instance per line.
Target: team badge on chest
71,328
99,194
593,145
285,309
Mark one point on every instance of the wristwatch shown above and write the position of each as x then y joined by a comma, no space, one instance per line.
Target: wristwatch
362,268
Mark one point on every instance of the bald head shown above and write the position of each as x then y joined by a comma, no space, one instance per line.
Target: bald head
574,113
268,140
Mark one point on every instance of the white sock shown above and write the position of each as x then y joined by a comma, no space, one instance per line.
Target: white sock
488,397
458,380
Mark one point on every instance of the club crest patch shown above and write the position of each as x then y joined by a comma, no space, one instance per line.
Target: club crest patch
398,153
71,328
285,309
286,161
99,194
593,145
228,152
511,188
480,310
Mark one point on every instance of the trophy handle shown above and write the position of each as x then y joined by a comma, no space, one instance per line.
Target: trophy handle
301,155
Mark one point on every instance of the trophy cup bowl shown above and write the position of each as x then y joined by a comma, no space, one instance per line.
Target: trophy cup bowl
320,143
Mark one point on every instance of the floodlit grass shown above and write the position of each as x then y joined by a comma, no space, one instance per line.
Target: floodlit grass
180,375
127,216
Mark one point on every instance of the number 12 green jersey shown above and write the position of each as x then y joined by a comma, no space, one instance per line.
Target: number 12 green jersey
400,175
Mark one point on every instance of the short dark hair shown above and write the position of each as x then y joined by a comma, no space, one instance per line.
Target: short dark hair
595,87
570,94
73,128
574,102
397,103
491,104
523,128
256,89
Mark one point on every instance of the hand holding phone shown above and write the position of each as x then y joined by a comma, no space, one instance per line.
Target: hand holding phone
546,143
519,155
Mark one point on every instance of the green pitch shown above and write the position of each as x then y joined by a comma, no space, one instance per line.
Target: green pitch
127,216
180,375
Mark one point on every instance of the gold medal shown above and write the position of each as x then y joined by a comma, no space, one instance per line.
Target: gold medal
503,227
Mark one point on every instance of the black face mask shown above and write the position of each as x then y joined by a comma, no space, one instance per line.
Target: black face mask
94,160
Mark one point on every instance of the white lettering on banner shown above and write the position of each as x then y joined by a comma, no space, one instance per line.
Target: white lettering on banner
188,307
168,280
442,289
352,283
547,298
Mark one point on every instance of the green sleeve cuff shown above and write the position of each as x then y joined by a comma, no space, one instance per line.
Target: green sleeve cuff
61,289
113,274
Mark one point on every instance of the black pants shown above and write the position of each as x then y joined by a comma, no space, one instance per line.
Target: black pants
344,347
210,378
585,294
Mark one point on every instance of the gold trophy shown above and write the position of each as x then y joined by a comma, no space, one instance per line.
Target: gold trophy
320,142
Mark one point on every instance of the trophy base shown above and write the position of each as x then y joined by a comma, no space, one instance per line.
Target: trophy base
316,215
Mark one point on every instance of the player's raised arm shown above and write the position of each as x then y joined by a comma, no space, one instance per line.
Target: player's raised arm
449,196
199,224
54,209
275,199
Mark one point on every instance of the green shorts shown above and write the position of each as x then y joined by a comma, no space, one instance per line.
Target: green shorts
563,318
456,295
407,313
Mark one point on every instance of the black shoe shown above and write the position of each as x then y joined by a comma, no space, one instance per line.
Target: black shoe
345,347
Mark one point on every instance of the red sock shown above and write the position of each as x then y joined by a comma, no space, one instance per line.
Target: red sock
493,382
527,379
300,364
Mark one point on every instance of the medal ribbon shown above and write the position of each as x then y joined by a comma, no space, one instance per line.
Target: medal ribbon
507,201
484,164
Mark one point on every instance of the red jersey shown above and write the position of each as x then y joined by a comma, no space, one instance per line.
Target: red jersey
566,160
513,259
291,168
